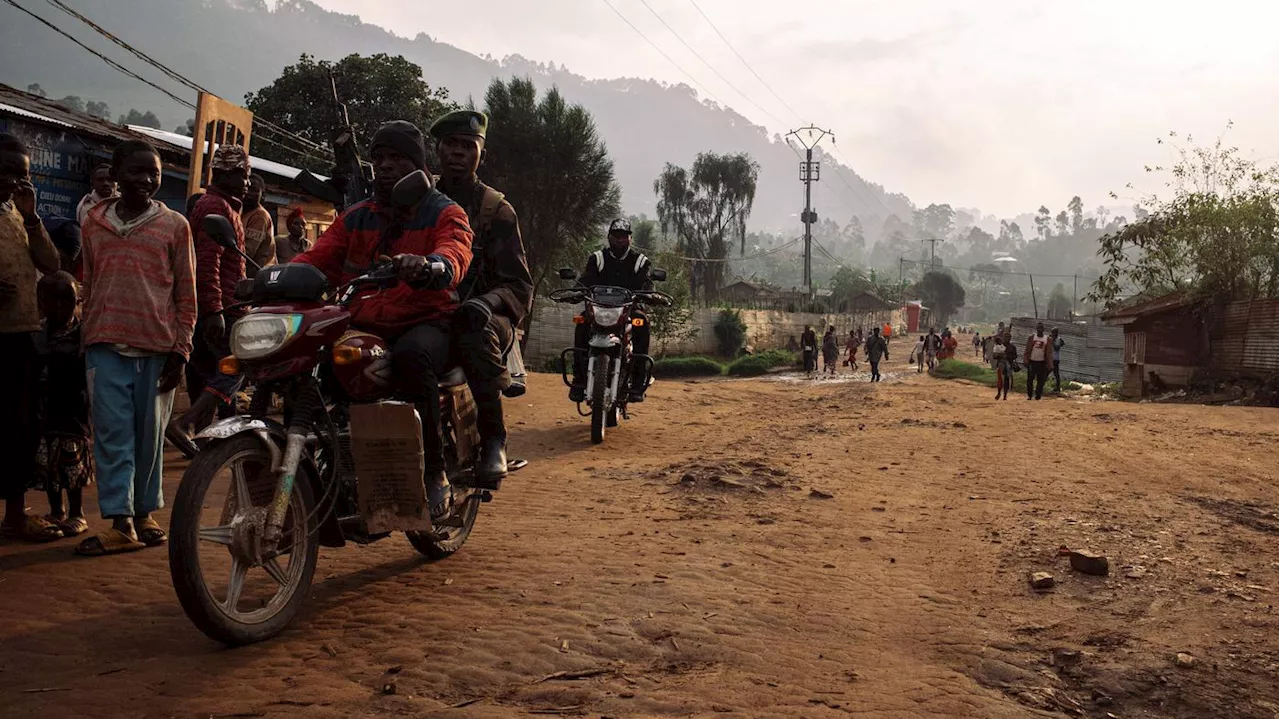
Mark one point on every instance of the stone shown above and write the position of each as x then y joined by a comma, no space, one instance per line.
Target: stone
820,494
1041,580
1090,563
1184,660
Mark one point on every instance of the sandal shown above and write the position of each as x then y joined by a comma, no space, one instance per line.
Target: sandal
150,533
74,526
112,541
32,529
439,498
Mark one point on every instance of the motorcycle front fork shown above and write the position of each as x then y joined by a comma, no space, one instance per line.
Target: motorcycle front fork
307,401
611,395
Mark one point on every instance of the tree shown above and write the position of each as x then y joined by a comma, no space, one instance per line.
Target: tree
1042,222
548,158
375,89
72,102
145,119
887,252
1059,304
934,221
671,324
1103,213
1076,209
847,282
706,208
1062,222
187,128
984,271
98,109
1216,237
1011,234
941,292
35,89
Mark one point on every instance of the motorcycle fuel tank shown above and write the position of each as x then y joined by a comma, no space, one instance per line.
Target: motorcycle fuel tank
362,365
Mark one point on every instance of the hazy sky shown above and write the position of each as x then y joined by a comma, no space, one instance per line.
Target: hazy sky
1002,105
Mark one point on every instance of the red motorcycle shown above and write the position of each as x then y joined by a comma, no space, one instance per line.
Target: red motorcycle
264,494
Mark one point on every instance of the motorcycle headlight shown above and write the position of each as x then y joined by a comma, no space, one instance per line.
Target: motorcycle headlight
607,316
259,335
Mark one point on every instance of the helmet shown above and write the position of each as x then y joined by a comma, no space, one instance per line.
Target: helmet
620,225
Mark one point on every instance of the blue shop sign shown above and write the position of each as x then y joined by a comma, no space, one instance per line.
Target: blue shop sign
60,164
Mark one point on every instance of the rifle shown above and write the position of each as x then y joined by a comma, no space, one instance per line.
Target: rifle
350,182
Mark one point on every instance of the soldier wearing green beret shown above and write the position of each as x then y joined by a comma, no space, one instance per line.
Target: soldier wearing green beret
497,291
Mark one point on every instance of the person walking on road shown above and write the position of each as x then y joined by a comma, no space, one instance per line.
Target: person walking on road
809,346
977,344
877,349
917,354
1038,355
1002,360
1058,344
851,347
830,350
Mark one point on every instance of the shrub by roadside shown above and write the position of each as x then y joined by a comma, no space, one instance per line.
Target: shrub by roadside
687,367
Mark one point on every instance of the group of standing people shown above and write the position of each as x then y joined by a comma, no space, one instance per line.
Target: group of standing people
144,296
1042,356
875,345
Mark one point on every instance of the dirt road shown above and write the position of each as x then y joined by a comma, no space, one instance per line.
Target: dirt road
751,548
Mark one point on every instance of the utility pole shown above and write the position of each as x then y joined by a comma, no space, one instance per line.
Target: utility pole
933,242
809,173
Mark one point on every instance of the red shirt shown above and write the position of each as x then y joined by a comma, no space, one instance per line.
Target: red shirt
436,226
217,269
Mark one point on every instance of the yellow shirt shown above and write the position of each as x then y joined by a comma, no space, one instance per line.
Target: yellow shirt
22,256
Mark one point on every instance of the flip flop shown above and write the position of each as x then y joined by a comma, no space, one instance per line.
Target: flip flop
112,541
439,499
74,526
150,533
32,529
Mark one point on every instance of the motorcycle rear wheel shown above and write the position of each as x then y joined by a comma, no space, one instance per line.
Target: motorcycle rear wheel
442,542
599,385
232,619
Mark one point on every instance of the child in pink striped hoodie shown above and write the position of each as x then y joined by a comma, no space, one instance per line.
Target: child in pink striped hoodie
139,314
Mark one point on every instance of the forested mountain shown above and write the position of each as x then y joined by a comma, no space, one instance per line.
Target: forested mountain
237,46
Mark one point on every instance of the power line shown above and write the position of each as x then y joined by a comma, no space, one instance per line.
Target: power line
660,52
744,60
758,255
174,75
696,54
111,63
990,272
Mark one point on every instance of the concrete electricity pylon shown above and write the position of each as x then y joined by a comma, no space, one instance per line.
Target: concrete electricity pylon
809,137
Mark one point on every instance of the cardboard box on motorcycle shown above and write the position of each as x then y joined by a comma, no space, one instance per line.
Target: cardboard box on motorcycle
386,444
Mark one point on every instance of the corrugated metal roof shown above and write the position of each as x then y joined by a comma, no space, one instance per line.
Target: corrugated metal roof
184,142
6,107
1159,304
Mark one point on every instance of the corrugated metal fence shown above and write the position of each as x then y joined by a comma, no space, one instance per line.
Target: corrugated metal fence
1245,337
1093,352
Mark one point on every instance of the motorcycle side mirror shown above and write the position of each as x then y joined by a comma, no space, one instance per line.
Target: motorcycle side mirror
658,275
567,274
219,229
244,289
410,189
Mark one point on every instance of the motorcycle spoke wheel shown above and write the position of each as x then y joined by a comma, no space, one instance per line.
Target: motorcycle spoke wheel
235,586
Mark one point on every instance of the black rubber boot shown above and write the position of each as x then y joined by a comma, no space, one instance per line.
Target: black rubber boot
491,468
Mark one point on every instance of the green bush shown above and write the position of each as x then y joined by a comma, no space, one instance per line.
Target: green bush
687,367
758,364
731,332
553,365
982,374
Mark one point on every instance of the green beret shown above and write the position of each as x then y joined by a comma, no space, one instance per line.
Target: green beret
460,122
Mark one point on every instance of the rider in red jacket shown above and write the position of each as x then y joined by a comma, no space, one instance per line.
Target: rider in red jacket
413,318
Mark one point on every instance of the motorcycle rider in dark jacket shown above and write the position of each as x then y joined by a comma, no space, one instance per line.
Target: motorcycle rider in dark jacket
616,265
497,290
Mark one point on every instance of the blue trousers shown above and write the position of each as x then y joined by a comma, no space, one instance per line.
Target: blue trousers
129,416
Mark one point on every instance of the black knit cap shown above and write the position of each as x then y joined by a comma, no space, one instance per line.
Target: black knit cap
405,138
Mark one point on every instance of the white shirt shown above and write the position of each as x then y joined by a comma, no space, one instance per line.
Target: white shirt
1039,343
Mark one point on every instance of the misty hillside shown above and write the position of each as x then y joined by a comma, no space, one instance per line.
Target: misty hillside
236,46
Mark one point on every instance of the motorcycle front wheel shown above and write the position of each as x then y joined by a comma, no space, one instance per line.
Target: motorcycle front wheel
232,586
599,385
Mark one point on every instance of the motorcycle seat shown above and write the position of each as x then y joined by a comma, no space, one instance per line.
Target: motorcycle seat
453,378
